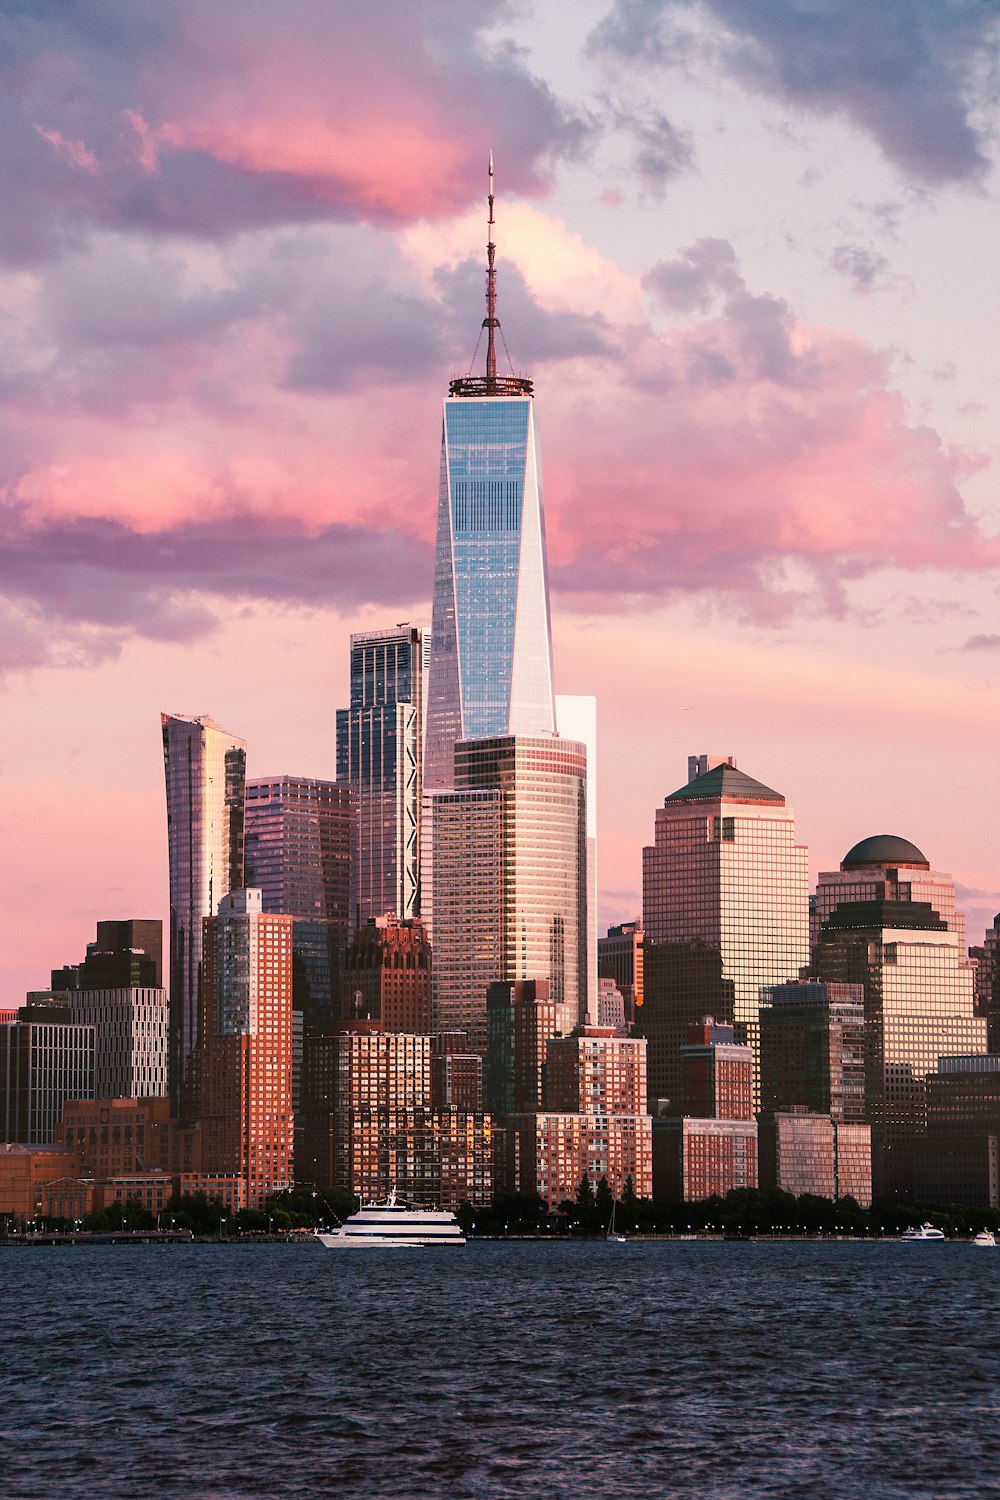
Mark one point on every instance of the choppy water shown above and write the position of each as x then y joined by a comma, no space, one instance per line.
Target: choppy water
664,1369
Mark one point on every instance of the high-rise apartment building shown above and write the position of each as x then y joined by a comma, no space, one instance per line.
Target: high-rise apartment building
491,647
725,912
888,923
380,756
717,1073
507,895
298,855
521,1018
205,770
247,1123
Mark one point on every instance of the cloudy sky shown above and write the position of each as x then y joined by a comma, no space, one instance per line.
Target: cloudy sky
747,252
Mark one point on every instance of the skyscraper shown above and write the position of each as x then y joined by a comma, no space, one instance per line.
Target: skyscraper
508,895
725,911
888,923
380,755
298,855
205,770
491,638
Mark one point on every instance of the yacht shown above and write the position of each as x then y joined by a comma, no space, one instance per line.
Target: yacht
984,1237
394,1226
925,1232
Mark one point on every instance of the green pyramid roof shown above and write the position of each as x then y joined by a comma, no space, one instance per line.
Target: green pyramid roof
725,782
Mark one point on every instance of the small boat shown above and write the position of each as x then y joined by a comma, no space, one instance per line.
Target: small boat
394,1226
984,1237
925,1232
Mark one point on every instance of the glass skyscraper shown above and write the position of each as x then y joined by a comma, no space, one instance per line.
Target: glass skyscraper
205,770
491,651
380,755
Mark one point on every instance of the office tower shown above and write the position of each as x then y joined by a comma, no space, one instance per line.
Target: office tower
888,923
298,855
958,1161
593,1122
46,1057
387,975
247,1126
491,639
619,957
507,895
126,955
725,912
205,770
521,1019
576,719
117,990
717,1073
987,960
371,1123
611,1007
812,1048
380,756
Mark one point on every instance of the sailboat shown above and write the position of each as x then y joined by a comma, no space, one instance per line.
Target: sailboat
610,1236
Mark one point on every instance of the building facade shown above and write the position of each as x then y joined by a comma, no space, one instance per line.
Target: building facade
716,1073
46,1057
247,1115
507,885
387,975
725,912
813,1049
205,770
380,756
695,1159
909,957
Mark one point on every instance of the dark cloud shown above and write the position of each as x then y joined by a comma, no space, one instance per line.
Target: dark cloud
84,586
912,74
863,267
206,120
700,274
981,643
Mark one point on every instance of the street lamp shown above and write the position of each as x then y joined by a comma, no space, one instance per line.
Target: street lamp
222,1225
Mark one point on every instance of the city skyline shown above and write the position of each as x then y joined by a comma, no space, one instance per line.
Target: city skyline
767,418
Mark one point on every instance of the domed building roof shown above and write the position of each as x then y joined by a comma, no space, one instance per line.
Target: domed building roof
884,849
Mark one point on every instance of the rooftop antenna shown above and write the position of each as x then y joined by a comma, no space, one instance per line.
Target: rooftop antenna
491,384
491,322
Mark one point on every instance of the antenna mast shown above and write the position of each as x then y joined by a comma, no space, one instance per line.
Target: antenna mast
491,322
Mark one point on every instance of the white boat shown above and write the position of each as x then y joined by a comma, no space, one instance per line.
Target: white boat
925,1232
984,1237
394,1226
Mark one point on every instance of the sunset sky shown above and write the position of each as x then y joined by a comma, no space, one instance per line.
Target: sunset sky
747,251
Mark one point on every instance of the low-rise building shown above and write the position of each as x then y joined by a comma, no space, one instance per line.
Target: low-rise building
702,1158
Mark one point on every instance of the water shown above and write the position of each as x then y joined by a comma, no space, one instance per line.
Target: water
590,1370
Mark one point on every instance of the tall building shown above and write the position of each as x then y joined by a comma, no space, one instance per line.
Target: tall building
46,1057
380,756
298,855
812,1049
888,923
717,1072
593,1123
521,1019
117,990
205,770
619,957
372,1124
387,975
247,1124
725,912
507,895
491,638
987,959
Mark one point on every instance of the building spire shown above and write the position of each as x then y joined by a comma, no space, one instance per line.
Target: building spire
491,322
491,384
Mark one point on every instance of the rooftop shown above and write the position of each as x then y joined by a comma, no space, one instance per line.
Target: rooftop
727,783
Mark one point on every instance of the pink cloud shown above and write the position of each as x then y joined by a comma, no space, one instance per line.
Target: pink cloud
73,151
